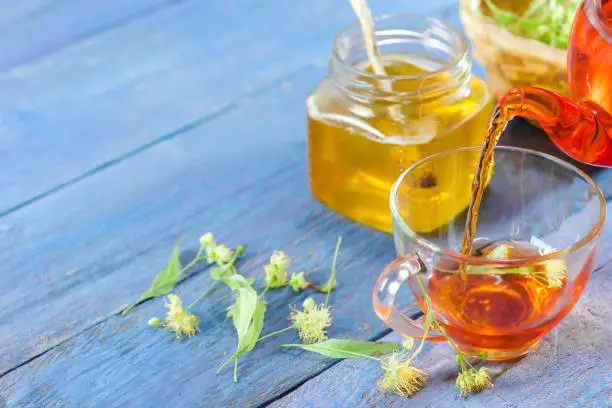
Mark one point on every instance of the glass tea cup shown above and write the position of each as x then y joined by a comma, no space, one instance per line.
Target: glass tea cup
541,212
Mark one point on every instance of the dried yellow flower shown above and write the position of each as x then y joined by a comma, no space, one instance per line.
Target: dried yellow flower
208,240
551,273
298,282
312,322
179,319
400,377
555,272
276,270
473,381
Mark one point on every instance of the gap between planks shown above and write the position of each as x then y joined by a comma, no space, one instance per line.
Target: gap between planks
443,12
197,270
227,108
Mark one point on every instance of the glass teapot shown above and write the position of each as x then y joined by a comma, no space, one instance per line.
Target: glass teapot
581,127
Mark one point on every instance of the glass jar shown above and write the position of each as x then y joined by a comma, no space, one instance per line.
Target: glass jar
365,129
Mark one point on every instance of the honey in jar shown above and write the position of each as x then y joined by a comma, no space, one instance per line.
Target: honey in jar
365,129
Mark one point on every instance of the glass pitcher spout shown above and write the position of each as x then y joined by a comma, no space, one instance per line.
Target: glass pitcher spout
582,129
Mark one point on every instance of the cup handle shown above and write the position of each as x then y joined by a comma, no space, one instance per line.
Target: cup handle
383,299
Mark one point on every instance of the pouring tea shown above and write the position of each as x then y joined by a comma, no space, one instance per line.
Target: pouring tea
531,257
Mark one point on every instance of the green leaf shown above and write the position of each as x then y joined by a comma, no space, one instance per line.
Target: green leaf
164,281
248,316
332,278
220,272
237,281
243,310
254,331
338,348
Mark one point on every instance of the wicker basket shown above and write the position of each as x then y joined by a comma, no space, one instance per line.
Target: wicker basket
509,60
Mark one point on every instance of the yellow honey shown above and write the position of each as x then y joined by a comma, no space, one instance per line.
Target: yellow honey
361,138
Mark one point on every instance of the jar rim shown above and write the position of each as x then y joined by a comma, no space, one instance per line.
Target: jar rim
456,59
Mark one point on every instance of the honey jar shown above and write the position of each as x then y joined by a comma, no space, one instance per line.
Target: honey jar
365,129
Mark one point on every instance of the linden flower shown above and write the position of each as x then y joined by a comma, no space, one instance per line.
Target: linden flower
555,272
312,322
298,282
219,254
280,259
276,270
473,381
179,319
551,273
208,240
400,377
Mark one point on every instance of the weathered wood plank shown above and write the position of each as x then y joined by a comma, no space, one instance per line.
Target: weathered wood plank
88,105
571,368
106,224
122,361
111,232
31,30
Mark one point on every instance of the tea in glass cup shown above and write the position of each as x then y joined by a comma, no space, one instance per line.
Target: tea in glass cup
536,245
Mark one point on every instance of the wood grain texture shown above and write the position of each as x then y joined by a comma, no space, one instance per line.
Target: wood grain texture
110,234
158,68
33,29
123,362
79,236
139,124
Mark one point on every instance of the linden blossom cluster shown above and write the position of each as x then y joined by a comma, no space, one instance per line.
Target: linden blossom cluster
311,322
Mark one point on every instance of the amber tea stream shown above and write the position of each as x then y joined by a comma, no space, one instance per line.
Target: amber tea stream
483,310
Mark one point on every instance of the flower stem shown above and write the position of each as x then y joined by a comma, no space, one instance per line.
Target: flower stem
225,363
333,270
238,352
239,250
275,333
236,370
340,351
206,292
125,311
435,321
264,292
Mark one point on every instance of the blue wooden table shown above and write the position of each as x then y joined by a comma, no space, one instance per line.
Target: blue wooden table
126,125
